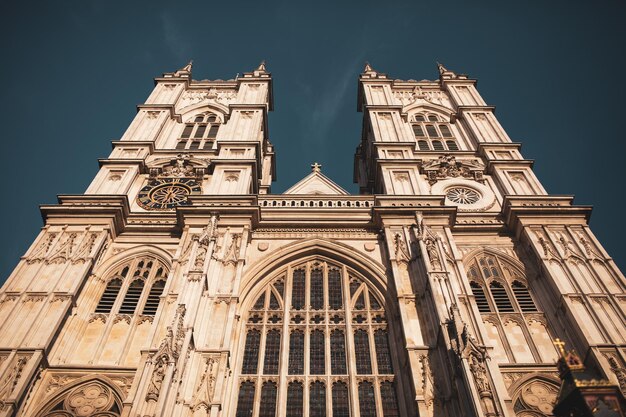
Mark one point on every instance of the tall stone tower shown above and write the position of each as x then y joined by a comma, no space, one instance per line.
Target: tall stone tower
178,285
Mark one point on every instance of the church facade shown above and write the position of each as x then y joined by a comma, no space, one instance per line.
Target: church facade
179,285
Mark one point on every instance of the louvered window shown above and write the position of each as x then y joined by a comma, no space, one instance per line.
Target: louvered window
480,297
133,293
139,284
109,296
152,303
523,297
501,298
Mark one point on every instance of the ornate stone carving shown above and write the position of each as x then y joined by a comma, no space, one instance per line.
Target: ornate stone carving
447,166
589,250
122,317
89,399
203,395
64,252
39,254
152,114
168,352
539,395
84,251
183,166
231,254
57,381
618,370
191,97
430,391
548,250
433,253
9,382
400,249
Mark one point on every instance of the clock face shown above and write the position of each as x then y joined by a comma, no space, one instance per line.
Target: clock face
167,193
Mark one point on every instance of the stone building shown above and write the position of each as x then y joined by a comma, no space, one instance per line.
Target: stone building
179,285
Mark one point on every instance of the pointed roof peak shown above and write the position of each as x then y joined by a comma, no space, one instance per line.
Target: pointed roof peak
441,68
316,183
261,66
187,67
370,72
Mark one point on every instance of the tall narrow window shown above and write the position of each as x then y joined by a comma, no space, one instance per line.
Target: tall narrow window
389,399
272,352
297,298
268,400
523,297
251,352
318,363
338,352
362,352
317,399
367,402
245,400
335,290
501,298
154,296
132,297
295,399
296,353
108,297
383,356
317,289
479,296
341,400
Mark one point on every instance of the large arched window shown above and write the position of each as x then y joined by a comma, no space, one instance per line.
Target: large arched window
200,132
517,329
135,287
433,133
321,330
91,398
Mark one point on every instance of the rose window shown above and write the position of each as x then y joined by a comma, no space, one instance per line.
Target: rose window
462,195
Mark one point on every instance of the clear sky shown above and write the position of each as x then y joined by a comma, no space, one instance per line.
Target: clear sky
73,72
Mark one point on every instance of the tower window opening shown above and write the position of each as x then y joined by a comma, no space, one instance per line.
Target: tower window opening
200,133
428,134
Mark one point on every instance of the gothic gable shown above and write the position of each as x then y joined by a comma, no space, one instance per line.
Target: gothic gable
316,183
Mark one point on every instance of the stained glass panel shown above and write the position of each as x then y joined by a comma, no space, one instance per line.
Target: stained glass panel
341,400
383,356
272,352
317,399
317,360
296,353
367,402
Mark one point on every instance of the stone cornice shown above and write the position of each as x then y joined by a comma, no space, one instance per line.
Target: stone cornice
169,107
519,211
109,209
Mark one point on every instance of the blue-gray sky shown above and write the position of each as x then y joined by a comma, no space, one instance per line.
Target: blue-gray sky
73,72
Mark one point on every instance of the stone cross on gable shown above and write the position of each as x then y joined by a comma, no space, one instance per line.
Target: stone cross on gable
316,167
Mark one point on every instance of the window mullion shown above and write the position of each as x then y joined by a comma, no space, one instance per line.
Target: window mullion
349,340
283,365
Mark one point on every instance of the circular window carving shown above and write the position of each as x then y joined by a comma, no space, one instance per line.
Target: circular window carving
468,196
462,195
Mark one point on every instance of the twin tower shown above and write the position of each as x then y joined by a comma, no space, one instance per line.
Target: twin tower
179,285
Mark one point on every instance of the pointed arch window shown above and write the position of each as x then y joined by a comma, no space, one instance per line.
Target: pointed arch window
508,309
336,324
428,129
135,287
295,399
199,133
268,399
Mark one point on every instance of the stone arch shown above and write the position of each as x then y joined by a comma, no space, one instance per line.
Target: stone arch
190,111
260,274
428,106
280,267
108,267
518,266
534,395
88,396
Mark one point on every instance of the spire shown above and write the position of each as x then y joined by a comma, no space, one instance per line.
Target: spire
369,72
261,66
187,67
446,74
441,68
368,67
